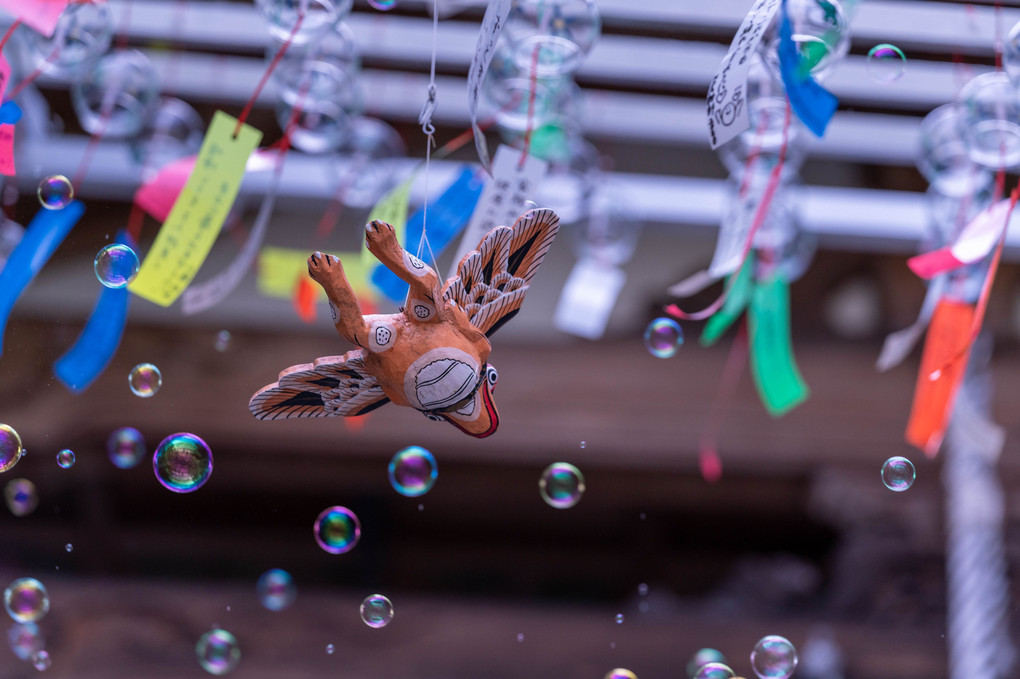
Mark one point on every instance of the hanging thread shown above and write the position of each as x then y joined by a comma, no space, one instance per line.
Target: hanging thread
429,129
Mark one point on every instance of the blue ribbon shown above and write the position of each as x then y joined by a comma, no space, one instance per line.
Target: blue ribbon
98,341
9,112
44,234
447,216
812,103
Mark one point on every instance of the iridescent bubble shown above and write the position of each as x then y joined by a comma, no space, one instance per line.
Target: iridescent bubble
663,337
376,611
25,639
584,444
116,265
26,600
276,589
10,447
619,618
41,660
65,459
774,657
561,485
222,340
330,648
145,380
620,673
886,63
413,471
182,462
125,447
898,473
703,657
218,652
714,670
69,547
337,530
55,192
383,5
21,497
520,638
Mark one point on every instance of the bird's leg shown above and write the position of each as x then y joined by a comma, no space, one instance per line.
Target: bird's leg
327,271
382,242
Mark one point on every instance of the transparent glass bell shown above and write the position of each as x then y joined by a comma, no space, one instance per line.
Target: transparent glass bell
552,37
82,35
1011,54
175,131
819,30
944,159
327,99
989,120
117,97
366,168
319,17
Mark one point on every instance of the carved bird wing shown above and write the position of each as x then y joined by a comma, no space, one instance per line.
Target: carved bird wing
491,282
331,386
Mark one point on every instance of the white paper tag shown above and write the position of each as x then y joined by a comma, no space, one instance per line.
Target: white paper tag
588,298
692,285
492,27
502,200
898,345
197,298
727,93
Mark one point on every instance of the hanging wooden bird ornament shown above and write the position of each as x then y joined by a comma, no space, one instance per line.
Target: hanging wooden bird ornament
433,355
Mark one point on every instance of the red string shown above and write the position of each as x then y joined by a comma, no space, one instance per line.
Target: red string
9,33
269,71
708,455
532,89
759,218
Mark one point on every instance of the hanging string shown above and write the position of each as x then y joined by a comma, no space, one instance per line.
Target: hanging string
9,33
269,71
425,120
708,451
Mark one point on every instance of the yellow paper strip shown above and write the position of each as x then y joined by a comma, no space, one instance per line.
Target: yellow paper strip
280,269
195,220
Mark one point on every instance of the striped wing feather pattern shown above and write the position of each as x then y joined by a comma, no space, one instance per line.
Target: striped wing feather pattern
492,281
331,386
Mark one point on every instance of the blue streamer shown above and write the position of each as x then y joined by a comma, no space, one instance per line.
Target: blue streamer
42,237
447,216
812,103
9,113
98,341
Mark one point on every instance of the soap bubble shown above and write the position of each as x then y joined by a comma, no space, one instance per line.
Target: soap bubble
69,547
276,589
82,35
26,600
118,96
376,611
886,63
383,5
41,660
702,657
561,485
552,37
820,32
55,192
620,673
25,639
320,17
116,265
714,670
330,648
663,337
337,530
990,120
125,447
145,380
10,447
65,459
413,471
619,618
218,652
222,340
21,497
182,462
898,473
774,657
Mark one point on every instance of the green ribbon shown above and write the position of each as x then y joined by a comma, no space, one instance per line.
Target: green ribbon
775,372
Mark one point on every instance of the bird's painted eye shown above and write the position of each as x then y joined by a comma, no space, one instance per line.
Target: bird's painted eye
491,376
434,417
